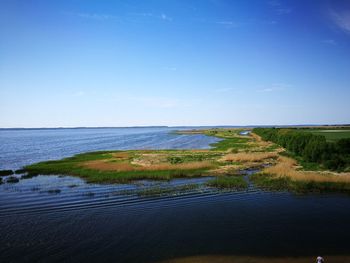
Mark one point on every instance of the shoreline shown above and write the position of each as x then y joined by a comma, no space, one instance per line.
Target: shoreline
239,149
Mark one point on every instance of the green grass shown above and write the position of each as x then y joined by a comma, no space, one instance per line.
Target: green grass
232,182
269,182
95,176
232,144
231,140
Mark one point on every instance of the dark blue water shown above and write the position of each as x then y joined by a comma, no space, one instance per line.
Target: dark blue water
113,223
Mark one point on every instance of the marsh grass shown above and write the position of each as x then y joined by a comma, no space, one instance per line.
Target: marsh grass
12,180
284,175
231,144
227,156
231,182
249,157
160,191
6,172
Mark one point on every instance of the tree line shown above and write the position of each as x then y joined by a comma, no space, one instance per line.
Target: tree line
311,147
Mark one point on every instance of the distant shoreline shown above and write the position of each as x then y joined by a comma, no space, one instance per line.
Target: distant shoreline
186,126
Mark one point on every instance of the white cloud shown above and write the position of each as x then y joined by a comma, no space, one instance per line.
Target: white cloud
341,19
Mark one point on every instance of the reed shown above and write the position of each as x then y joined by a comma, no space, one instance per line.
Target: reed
285,176
287,167
249,157
232,182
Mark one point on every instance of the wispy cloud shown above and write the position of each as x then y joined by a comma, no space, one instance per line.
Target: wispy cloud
283,11
161,16
228,24
275,87
165,17
329,42
341,19
279,8
95,16
274,3
266,90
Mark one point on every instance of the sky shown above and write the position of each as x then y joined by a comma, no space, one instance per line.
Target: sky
165,62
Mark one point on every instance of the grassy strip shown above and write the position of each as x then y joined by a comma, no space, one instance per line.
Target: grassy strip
95,176
159,191
231,182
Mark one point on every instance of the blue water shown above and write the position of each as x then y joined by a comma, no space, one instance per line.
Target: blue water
60,218
19,147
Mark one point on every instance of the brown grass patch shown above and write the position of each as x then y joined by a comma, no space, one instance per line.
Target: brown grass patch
149,159
180,166
286,167
248,157
121,155
106,165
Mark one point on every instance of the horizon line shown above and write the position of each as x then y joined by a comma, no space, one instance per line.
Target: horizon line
172,126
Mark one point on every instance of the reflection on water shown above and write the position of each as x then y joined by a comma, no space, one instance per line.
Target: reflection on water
112,223
87,222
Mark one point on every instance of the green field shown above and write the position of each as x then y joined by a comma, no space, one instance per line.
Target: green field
331,135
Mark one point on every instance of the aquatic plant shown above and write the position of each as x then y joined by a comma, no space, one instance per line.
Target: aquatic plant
54,191
6,172
20,171
236,182
12,179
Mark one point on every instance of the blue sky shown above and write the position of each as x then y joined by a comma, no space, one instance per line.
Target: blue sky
124,63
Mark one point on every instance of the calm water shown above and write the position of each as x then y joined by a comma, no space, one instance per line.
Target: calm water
113,223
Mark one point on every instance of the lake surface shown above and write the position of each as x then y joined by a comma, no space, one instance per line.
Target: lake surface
63,219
